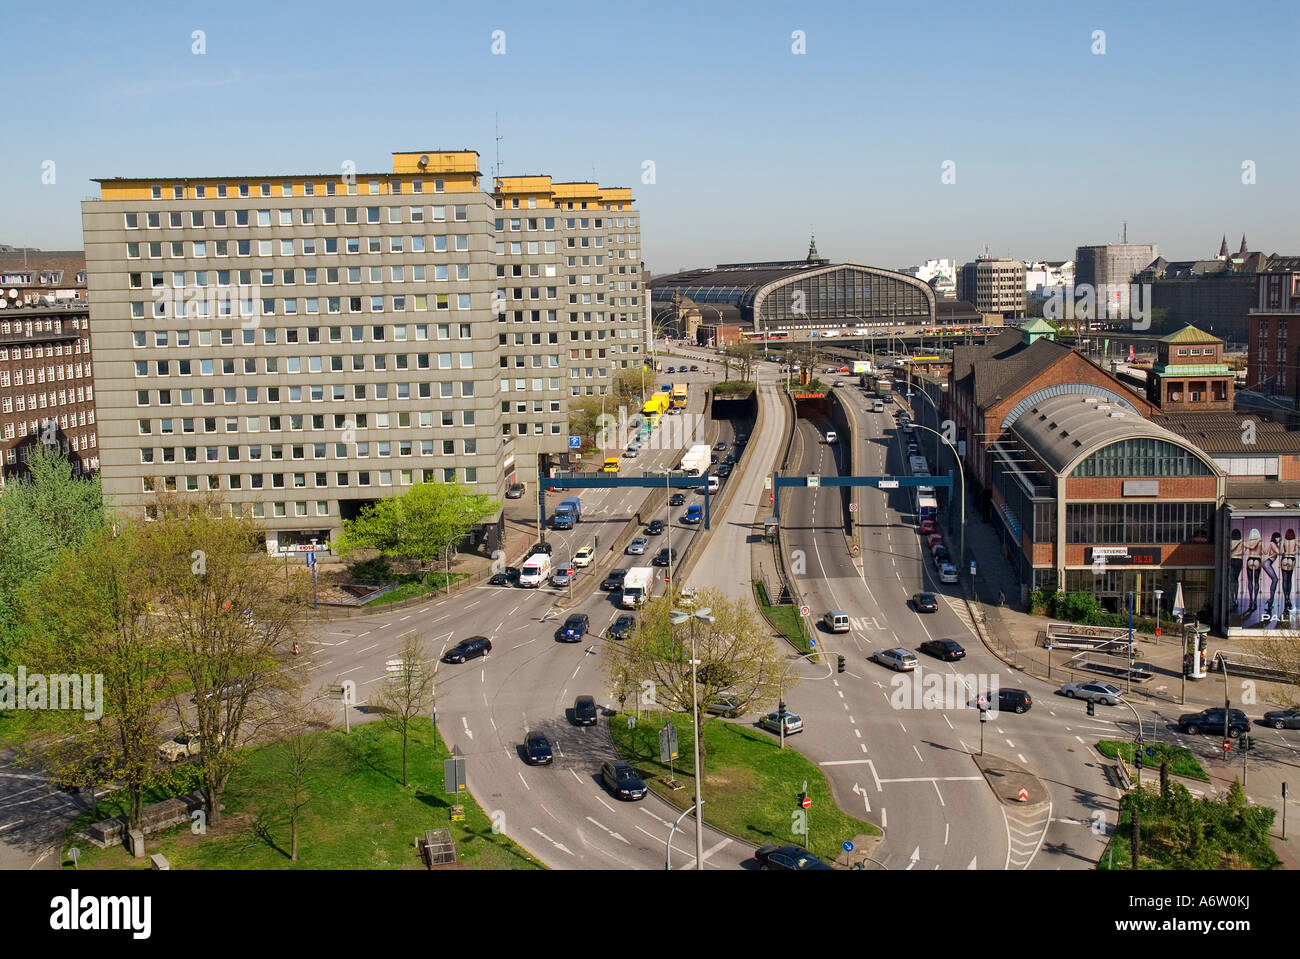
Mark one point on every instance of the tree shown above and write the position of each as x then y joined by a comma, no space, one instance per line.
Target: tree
40,516
408,691
744,353
734,654
229,617
90,615
295,759
584,416
423,523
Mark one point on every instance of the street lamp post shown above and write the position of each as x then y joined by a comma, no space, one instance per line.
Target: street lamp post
1129,682
1158,594
677,617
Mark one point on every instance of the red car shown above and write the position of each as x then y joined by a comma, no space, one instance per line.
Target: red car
927,527
934,541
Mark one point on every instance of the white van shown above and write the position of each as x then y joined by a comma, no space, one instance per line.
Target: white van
714,483
837,621
831,437
878,406
535,570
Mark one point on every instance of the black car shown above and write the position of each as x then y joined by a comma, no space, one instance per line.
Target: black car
508,577
713,458
622,780
622,627
614,580
1282,719
677,499
941,556
724,470
1211,721
720,447
694,368
655,528
546,548
787,857
665,556
1014,700
584,711
925,603
742,439
516,491
945,649
467,649
537,750
574,628
729,459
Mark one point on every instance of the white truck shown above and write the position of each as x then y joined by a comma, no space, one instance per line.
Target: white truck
535,570
697,459
636,586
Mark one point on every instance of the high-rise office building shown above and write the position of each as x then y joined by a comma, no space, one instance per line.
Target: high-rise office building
1109,270
993,286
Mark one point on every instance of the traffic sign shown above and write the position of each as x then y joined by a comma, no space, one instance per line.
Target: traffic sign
813,479
887,484
1227,745
806,802
805,610
848,846
575,442
311,558
853,507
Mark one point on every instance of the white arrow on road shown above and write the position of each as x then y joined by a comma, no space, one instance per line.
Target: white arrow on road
858,790
607,829
465,723
916,857
558,845
972,863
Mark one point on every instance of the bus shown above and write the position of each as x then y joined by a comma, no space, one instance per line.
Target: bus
762,336
678,396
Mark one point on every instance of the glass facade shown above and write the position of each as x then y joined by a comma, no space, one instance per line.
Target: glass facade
1113,586
839,295
1125,523
1142,457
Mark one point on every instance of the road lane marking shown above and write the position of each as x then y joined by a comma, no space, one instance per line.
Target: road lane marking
523,780
368,648
945,833
941,802
557,845
352,670
918,753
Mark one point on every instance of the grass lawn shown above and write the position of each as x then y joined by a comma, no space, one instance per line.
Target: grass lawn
785,620
1184,832
751,785
412,586
1181,760
360,815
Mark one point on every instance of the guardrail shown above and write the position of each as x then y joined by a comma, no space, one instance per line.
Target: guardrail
1251,666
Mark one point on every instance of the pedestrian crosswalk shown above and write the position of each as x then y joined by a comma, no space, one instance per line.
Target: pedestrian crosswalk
962,611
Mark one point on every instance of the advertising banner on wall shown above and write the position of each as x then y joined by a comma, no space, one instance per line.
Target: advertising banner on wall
861,366
1263,590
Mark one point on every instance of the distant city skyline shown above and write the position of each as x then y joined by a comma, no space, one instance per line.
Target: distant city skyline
742,146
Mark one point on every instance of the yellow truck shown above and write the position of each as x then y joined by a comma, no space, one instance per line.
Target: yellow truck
679,396
611,465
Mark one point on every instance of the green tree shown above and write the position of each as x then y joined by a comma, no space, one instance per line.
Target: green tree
407,692
40,516
423,523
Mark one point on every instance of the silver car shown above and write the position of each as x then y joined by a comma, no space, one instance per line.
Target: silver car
771,722
637,547
1096,691
898,658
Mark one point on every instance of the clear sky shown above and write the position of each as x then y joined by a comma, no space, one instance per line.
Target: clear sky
753,145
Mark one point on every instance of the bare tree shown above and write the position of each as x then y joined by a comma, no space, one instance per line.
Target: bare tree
295,759
408,691
230,617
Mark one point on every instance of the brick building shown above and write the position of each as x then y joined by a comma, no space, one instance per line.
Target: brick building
47,391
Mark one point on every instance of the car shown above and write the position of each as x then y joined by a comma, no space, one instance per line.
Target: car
837,621
638,546
542,547
729,459
788,858
468,649
838,383
948,650
515,491
897,659
614,580
925,603
1283,718
505,578
947,573
1094,691
907,428
665,556
655,527
671,369
913,449
179,747
686,597
629,453
724,470
720,447
537,750
933,539
574,628
1211,721
1014,700
677,499
742,439
942,557
622,780
584,556
694,368
584,711
771,722
227,691
622,627
562,576
729,705
927,527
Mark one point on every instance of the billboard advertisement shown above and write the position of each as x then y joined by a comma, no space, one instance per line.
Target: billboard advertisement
861,366
1263,590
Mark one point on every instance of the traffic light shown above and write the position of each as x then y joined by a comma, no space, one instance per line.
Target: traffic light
1092,708
780,709
839,664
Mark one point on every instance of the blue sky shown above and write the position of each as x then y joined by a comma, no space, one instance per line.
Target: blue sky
753,145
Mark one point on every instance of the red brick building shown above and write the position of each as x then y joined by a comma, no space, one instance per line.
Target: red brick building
1273,353
47,391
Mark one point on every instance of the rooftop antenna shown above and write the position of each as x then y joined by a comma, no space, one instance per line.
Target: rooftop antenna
1126,231
498,138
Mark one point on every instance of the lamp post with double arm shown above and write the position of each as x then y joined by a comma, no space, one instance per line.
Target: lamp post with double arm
677,617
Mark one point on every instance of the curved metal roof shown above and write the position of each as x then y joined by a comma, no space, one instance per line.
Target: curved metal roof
731,283
1064,429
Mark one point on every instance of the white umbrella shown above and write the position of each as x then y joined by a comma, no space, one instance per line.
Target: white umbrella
1178,602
